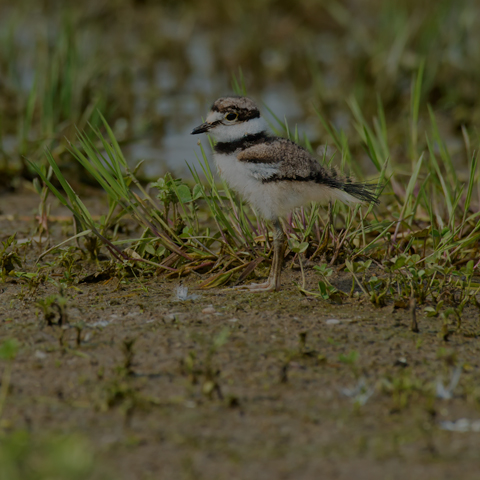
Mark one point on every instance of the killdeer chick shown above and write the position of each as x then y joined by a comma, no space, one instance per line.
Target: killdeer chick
273,174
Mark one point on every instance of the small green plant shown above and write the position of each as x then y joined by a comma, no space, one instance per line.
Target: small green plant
24,456
8,352
120,390
350,358
67,259
54,309
10,259
326,290
298,248
204,371
128,351
356,268
118,393
404,387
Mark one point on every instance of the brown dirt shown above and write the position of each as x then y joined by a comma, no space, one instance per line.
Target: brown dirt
263,405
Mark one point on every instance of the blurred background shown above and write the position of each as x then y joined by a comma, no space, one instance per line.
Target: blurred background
153,68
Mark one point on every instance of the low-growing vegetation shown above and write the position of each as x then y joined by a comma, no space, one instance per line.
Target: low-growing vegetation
124,350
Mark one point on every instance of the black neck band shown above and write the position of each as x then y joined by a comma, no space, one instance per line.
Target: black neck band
241,144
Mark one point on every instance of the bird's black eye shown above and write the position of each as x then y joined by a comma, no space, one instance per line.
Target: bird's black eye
231,116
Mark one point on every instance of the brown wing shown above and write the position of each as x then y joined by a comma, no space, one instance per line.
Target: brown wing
292,161
279,160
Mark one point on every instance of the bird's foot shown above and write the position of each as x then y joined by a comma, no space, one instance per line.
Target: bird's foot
268,286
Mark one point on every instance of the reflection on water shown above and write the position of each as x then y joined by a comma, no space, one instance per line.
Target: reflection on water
163,104
154,68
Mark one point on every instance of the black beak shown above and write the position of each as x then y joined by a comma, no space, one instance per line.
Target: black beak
204,127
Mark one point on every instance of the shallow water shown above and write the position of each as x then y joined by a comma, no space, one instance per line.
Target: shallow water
158,68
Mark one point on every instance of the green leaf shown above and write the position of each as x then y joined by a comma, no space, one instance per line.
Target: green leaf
469,269
197,192
184,194
221,338
9,349
150,249
296,246
350,358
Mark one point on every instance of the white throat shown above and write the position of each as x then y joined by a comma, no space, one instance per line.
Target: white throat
235,131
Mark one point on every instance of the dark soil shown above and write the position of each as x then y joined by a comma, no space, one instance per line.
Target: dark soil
234,385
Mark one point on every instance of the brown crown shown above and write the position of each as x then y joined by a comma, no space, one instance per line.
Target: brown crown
243,106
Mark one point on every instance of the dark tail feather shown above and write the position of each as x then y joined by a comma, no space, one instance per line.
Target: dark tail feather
365,192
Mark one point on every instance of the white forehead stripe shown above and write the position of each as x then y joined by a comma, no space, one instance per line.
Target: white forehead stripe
214,117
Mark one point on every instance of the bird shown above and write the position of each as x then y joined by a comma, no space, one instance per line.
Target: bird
273,174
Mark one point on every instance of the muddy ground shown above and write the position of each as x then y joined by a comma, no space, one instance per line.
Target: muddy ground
236,385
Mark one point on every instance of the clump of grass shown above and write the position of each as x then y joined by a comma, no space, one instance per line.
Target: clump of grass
59,94
421,243
424,244
174,240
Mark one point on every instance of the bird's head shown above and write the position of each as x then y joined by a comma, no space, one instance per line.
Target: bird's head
232,118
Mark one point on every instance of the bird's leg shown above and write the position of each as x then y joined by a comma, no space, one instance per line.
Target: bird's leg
278,253
273,282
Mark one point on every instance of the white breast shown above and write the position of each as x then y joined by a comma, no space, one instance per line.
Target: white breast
246,179
273,199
